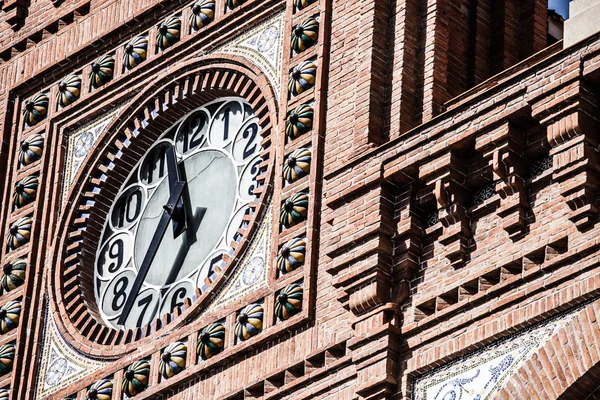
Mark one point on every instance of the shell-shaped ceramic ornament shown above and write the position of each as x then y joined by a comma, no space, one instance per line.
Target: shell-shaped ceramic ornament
168,32
36,109
102,71
297,165
31,150
172,360
4,394
305,35
301,4
249,322
299,121
293,211
231,4
302,78
25,191
13,274
18,233
69,90
9,315
203,13
289,301
291,255
101,390
7,356
136,52
135,378
211,341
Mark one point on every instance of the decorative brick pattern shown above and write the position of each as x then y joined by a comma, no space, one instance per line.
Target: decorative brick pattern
443,165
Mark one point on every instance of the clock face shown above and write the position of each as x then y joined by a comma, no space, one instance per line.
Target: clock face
177,213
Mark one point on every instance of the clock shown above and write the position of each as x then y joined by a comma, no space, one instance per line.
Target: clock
177,213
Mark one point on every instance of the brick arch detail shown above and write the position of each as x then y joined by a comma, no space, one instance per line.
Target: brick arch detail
200,80
566,367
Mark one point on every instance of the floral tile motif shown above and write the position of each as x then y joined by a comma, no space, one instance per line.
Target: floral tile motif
252,271
60,364
479,375
263,46
79,143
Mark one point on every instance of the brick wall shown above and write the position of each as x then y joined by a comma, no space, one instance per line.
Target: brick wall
402,133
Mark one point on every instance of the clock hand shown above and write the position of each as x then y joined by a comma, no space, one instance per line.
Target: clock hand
189,239
175,174
169,209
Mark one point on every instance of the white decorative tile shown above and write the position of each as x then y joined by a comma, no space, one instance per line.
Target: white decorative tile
479,375
60,363
263,46
79,144
251,272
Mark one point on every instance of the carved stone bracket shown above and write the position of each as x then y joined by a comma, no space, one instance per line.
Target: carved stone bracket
572,131
503,148
447,175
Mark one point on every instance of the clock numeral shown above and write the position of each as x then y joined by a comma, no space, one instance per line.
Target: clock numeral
128,208
120,293
192,132
154,167
247,141
251,131
115,251
114,254
226,124
144,303
178,297
255,171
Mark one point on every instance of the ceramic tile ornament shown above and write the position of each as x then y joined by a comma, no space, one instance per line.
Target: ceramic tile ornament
102,71
172,360
305,35
25,191
69,90
168,32
294,210
289,301
13,274
249,322
31,150
231,4
299,121
36,109
302,78
135,378
136,52
101,390
19,233
9,315
297,165
301,4
7,356
203,13
291,255
211,341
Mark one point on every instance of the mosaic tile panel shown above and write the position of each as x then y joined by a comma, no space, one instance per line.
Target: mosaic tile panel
479,375
263,46
79,144
252,272
60,364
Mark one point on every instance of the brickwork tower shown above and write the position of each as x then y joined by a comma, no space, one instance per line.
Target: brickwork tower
299,199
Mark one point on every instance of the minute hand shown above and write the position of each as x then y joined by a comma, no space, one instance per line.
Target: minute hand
171,206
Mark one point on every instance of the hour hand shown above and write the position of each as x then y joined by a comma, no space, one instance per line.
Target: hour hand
179,217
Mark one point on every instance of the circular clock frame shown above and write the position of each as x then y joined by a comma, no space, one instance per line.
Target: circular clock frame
135,129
